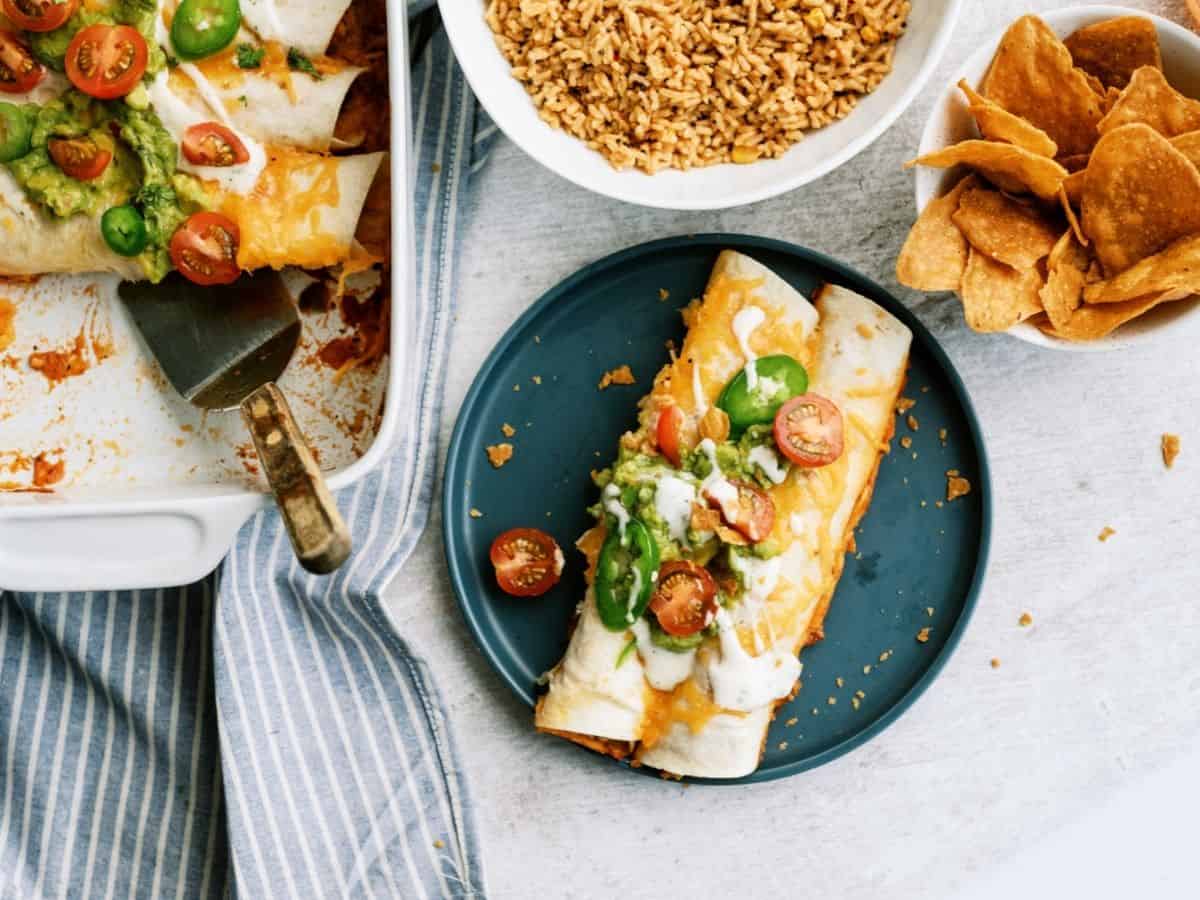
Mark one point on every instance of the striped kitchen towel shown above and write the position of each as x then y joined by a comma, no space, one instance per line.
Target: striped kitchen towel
263,733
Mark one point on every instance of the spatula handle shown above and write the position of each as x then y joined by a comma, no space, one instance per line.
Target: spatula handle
318,533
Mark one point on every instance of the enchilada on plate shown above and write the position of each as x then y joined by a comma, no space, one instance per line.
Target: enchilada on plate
721,528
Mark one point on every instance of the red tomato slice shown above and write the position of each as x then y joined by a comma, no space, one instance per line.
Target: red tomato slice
670,421
528,562
79,157
684,599
808,431
212,144
39,15
107,61
19,71
205,247
755,515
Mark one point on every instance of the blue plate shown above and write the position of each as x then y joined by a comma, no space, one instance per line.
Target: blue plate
917,564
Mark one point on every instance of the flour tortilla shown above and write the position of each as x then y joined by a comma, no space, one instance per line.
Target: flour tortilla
305,24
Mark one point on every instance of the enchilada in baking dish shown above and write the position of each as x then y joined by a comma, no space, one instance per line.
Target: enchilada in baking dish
203,136
721,528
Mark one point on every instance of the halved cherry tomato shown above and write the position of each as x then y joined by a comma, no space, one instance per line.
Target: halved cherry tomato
808,431
685,598
205,247
670,421
528,562
212,144
755,511
79,157
39,15
19,71
107,61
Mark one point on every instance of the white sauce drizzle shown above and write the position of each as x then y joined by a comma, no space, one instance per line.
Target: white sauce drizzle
760,577
744,324
673,499
635,589
698,391
768,460
796,521
716,486
743,682
177,116
612,505
664,669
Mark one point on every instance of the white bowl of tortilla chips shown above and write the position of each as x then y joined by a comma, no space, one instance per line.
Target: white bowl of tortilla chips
1038,281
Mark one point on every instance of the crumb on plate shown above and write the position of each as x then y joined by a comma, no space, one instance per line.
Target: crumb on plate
474,513
663,294
1105,533
499,454
995,662
913,424
906,442
1026,620
619,375
956,485
508,430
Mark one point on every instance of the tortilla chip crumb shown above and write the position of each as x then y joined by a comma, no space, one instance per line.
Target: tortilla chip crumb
923,635
904,404
956,486
1105,533
839,682
663,293
619,375
995,662
1026,620
516,387
815,711
938,503
929,611
439,843
474,513
792,721
508,430
925,389
866,670
883,657
906,442
499,454
854,702
783,745
913,424
832,701
537,338
861,695
942,435
1170,449
924,504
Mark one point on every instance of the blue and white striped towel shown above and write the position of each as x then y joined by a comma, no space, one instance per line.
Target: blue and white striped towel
262,733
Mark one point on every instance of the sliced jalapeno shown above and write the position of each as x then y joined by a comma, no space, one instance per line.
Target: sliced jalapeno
778,379
625,575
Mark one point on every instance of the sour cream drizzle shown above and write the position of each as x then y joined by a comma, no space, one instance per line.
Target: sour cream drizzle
767,460
673,499
744,324
612,505
743,682
716,485
760,577
664,669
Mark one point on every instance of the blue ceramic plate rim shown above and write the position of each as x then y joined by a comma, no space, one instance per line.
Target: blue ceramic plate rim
848,277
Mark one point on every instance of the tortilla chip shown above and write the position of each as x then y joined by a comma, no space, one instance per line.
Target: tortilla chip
1189,145
1066,274
1140,195
996,123
1073,184
1112,51
1009,231
935,252
1090,323
1175,271
996,297
1033,76
1010,168
1150,100
1068,209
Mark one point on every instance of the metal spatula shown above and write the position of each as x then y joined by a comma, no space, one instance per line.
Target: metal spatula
223,347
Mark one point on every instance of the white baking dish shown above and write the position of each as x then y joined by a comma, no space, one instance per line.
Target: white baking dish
154,491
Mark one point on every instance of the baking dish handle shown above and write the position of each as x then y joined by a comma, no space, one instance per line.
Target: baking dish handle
103,547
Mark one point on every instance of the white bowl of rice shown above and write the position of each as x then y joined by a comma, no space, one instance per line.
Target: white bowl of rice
696,104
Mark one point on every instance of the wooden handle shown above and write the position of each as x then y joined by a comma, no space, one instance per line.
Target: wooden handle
318,533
